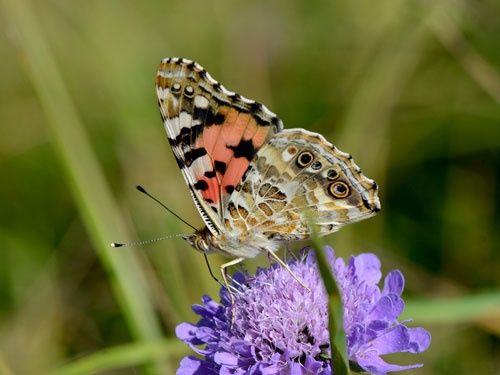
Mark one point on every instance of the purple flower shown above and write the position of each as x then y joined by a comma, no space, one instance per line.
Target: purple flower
280,327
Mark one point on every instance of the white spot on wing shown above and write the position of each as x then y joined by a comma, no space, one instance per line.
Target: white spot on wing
162,92
200,101
287,156
226,91
172,127
166,74
200,166
185,121
247,101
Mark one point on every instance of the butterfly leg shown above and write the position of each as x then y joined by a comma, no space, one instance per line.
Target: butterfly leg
228,287
289,252
285,266
224,275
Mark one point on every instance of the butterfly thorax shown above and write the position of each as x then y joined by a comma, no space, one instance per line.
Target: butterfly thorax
248,245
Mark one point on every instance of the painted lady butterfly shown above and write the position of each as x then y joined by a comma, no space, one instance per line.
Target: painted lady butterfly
256,185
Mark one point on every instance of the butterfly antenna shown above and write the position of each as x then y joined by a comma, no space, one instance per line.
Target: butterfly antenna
139,243
142,190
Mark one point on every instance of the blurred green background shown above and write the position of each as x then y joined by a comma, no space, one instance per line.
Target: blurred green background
411,89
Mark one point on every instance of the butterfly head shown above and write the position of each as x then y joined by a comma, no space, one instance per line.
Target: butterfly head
200,240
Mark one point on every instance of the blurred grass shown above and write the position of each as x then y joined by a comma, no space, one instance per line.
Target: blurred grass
411,89
90,192
124,356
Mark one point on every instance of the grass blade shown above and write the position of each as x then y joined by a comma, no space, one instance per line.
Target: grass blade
338,343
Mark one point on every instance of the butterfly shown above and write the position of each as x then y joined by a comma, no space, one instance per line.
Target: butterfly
256,185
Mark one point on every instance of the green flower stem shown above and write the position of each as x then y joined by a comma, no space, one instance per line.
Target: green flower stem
338,345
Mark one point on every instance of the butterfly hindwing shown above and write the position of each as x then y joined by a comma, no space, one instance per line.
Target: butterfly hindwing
214,133
298,179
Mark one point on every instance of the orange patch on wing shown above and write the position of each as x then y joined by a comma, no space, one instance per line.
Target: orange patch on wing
235,170
213,192
237,166
217,139
231,133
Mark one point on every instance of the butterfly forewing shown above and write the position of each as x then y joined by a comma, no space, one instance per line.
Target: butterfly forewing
214,133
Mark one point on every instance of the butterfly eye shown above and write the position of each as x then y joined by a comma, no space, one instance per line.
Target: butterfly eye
332,174
304,159
339,189
316,165
201,244
189,91
176,88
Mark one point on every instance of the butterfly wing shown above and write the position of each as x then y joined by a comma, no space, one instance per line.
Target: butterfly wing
298,179
214,133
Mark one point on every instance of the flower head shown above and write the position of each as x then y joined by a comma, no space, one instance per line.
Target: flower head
279,327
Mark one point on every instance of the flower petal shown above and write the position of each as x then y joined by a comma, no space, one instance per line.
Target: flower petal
375,365
387,308
368,268
194,366
395,340
187,333
297,369
394,283
226,359
420,339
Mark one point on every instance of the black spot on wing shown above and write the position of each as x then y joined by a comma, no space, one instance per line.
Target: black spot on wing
260,120
180,162
276,121
249,169
255,107
210,174
244,149
371,207
229,189
220,166
201,185
191,155
188,135
367,204
217,87
207,117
